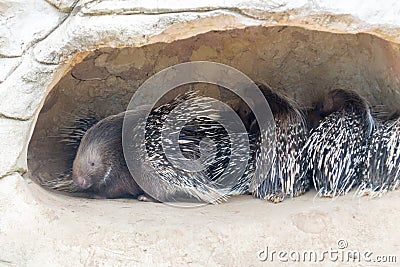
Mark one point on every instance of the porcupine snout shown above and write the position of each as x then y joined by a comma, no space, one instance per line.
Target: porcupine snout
82,182
80,176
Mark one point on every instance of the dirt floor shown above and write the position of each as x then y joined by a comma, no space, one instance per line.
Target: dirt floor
39,228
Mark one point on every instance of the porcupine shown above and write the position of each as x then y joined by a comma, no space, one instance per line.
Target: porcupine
100,168
101,147
382,167
336,149
287,176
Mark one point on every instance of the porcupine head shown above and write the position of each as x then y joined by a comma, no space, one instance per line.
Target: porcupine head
338,100
89,166
99,166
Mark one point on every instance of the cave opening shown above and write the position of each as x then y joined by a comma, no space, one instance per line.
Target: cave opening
302,64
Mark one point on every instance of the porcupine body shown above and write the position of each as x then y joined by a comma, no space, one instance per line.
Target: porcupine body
382,168
287,176
337,147
99,167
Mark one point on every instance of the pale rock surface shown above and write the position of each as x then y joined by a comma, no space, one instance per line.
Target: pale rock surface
24,22
41,227
8,65
24,89
63,5
13,136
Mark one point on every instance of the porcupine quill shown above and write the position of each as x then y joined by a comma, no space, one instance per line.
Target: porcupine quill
382,168
70,136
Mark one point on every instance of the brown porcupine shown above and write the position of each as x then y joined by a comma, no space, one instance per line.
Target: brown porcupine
100,169
382,167
337,148
287,176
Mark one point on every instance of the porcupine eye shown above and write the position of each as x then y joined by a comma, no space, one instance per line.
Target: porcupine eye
91,164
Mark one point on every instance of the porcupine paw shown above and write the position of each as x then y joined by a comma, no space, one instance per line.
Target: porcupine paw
332,193
301,187
147,198
300,192
275,197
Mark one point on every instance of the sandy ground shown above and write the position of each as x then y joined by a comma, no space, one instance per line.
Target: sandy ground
38,228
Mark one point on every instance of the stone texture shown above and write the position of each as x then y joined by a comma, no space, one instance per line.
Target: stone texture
13,143
99,17
7,66
160,7
83,33
369,11
63,5
24,22
23,91
87,71
123,61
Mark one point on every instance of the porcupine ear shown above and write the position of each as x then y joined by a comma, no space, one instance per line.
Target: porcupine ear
340,99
